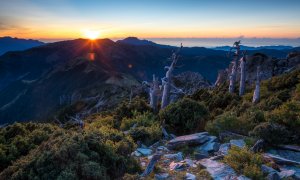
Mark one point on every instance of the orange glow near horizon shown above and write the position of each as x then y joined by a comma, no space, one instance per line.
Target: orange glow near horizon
226,32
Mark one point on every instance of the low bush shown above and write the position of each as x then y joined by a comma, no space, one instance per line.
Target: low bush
143,127
224,122
93,154
272,133
18,139
185,116
245,162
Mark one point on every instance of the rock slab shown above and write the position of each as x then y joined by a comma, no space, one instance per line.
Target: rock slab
188,140
218,170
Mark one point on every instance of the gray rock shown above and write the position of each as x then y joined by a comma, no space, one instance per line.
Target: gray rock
295,168
218,170
267,170
137,154
177,166
287,154
201,155
162,148
190,163
273,176
287,173
190,176
188,140
151,164
178,156
161,176
144,151
210,146
223,149
258,146
280,160
238,143
242,177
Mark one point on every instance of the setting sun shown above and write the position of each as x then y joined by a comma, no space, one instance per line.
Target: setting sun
92,35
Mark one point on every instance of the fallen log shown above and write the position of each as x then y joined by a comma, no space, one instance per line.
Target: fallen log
150,166
289,147
280,160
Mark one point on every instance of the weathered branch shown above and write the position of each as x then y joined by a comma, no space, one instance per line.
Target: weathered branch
256,94
166,81
243,75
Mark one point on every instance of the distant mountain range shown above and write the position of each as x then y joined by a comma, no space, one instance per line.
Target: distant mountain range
16,44
279,47
35,83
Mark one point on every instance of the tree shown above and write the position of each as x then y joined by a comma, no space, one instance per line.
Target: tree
167,80
243,75
256,94
232,77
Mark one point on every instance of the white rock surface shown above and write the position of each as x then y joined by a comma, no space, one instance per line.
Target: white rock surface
238,143
144,151
190,176
223,149
217,170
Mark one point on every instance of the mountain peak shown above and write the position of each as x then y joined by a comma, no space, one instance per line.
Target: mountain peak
15,44
136,41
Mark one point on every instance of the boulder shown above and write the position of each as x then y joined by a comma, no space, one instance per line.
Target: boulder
188,140
210,146
218,170
161,176
177,166
238,143
286,173
190,162
178,156
267,170
162,149
144,151
190,176
294,168
201,155
155,158
273,176
242,177
258,146
223,149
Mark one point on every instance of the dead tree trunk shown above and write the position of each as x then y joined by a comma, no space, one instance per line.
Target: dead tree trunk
222,77
232,79
167,80
243,76
256,94
154,93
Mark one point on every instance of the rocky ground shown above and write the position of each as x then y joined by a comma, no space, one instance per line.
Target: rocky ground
200,156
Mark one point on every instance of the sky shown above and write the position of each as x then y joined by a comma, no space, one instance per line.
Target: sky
68,19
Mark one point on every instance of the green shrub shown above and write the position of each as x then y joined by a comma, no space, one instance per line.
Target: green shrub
184,116
19,138
147,135
285,81
272,133
146,128
129,110
146,119
93,154
224,122
287,114
243,161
